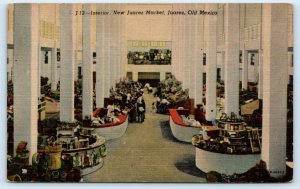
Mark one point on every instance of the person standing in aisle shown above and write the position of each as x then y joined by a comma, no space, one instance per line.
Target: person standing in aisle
140,109
144,106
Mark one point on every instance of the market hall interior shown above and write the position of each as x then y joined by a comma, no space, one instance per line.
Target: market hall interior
140,97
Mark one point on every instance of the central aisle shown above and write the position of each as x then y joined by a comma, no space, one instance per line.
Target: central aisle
148,153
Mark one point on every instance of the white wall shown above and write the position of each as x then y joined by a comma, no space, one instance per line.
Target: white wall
142,28
146,28
49,25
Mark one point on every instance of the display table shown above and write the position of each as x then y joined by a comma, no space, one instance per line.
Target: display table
230,148
89,159
225,163
110,130
180,130
80,148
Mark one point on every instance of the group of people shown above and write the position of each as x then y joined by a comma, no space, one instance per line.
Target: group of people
130,95
153,56
169,91
148,88
99,120
190,121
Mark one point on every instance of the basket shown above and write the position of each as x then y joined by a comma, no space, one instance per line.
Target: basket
54,160
53,149
102,150
15,178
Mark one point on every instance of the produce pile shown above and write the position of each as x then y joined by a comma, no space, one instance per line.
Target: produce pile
256,174
171,90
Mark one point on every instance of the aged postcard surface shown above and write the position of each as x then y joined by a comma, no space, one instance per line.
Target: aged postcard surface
150,93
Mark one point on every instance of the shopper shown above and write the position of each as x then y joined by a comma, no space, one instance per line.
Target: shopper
141,109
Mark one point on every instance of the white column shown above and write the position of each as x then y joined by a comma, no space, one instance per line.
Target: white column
119,45
219,64
48,67
211,62
123,43
134,75
26,60
275,45
112,52
41,64
192,55
232,46
10,56
87,63
187,50
178,47
162,76
222,65
175,52
100,65
107,50
40,54
260,75
198,69
245,70
182,47
67,49
53,69
255,70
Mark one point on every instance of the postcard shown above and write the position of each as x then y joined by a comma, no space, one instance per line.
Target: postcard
188,93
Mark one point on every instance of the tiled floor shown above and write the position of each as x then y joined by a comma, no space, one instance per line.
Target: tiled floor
148,153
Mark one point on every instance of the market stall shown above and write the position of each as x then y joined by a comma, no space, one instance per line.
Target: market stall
183,130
